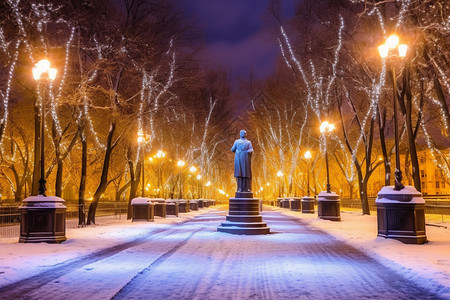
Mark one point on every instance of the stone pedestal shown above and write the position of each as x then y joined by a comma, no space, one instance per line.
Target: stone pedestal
193,205
295,204
172,208
308,205
285,203
401,215
183,206
329,206
143,210
43,219
244,217
279,201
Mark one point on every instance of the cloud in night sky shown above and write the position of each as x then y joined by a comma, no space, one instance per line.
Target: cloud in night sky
236,36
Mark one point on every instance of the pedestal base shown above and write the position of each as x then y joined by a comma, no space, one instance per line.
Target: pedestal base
329,206
295,204
43,219
307,205
401,215
244,218
142,210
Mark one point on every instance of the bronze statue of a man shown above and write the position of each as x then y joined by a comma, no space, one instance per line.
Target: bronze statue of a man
242,163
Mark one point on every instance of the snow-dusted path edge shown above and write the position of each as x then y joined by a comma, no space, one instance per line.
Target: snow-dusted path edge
427,265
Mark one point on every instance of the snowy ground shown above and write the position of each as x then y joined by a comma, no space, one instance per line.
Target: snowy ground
185,258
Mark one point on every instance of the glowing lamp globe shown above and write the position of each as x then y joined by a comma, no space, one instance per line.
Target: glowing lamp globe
307,154
402,50
392,41
383,50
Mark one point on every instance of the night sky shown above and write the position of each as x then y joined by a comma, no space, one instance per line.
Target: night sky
238,36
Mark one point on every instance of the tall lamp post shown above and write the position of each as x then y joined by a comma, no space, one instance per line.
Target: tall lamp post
160,155
400,211
392,51
142,141
192,170
279,174
307,156
207,184
42,72
328,202
180,165
199,177
325,129
307,201
43,219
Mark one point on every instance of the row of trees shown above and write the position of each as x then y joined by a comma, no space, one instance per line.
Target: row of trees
330,69
123,67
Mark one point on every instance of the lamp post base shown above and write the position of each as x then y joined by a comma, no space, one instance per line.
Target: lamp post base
308,205
401,215
43,219
329,206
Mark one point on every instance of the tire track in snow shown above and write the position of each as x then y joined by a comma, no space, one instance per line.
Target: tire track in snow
140,278
21,288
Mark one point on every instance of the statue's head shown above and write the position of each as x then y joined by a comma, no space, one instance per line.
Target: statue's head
243,133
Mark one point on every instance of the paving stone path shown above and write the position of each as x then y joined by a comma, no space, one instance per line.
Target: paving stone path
191,260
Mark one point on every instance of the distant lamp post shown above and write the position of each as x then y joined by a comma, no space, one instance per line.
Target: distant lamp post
142,141
279,174
391,51
207,185
160,155
328,202
307,202
43,219
325,129
307,156
400,212
180,165
199,177
192,170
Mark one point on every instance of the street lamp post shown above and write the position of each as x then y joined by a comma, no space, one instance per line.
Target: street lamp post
42,72
192,170
386,52
325,129
43,219
307,156
328,202
400,211
279,174
307,201
142,141
180,165
160,154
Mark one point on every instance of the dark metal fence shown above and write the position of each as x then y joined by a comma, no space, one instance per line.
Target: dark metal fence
434,205
105,212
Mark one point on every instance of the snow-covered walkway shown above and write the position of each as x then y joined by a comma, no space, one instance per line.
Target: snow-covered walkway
191,260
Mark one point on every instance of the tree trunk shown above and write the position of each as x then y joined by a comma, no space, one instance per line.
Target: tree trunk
362,183
37,150
81,192
134,182
386,158
121,190
103,178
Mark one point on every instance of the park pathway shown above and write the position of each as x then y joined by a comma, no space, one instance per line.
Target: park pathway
190,260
